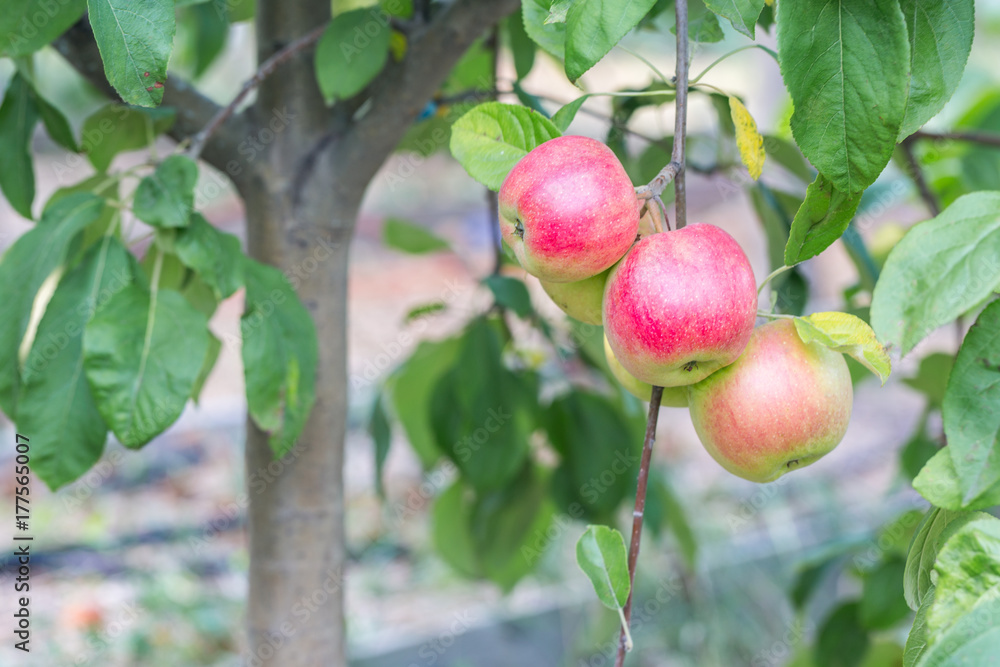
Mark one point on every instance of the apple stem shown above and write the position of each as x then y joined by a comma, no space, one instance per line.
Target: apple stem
775,316
771,276
624,642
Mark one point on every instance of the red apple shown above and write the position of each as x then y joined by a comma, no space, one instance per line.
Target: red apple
568,210
580,299
782,405
674,397
680,306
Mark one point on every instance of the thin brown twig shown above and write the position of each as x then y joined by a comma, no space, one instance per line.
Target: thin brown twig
917,174
640,508
265,70
680,117
492,202
675,170
972,136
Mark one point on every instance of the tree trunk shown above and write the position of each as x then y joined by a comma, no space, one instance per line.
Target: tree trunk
298,222
308,172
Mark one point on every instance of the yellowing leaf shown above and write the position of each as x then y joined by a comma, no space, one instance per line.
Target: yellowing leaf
846,333
748,139
397,45
769,3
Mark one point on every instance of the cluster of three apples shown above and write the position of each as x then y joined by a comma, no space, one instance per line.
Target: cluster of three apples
678,310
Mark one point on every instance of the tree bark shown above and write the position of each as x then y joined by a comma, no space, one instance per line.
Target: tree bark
302,203
295,614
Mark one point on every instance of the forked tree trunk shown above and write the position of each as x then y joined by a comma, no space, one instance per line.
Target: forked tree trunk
302,197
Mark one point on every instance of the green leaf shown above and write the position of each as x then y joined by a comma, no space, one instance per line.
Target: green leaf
968,573
213,254
28,25
932,377
475,71
567,113
510,293
492,137
601,554
208,363
917,452
451,530
938,482
18,116
410,237
788,155
845,65
135,46
971,408
593,27
55,123
812,574
351,52
558,11
842,640
381,434
410,388
498,535
703,24
108,190
934,530
940,36
742,14
142,357
551,37
56,405
511,524
974,639
521,46
241,10
39,253
482,413
882,602
166,197
202,29
115,128
916,642
843,332
821,220
938,271
280,355
600,458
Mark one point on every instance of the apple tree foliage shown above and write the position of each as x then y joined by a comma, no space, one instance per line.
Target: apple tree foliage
95,340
